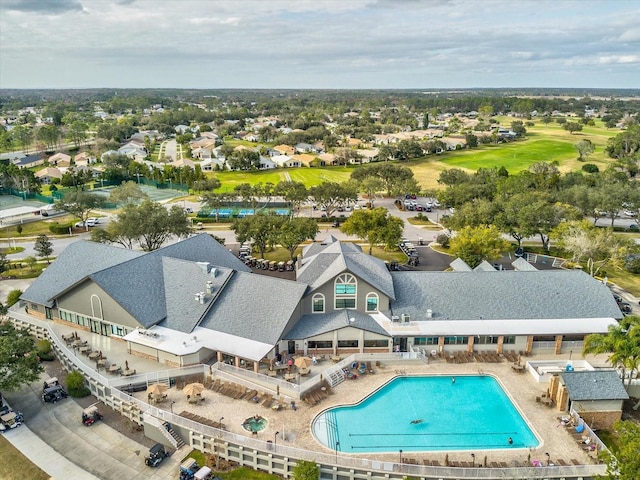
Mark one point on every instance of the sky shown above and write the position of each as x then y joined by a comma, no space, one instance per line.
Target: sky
336,44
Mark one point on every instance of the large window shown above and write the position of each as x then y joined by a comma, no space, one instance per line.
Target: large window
345,291
320,344
372,302
347,343
425,341
376,343
456,340
318,303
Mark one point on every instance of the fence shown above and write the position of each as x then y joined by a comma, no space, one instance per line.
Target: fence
266,455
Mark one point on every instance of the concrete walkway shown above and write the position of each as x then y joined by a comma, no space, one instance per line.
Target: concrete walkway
54,438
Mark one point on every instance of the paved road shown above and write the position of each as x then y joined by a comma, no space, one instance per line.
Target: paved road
55,439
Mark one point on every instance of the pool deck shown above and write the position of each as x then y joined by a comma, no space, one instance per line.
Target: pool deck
296,425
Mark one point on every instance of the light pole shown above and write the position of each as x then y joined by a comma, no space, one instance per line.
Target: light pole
473,460
171,406
220,423
400,457
548,458
337,447
275,438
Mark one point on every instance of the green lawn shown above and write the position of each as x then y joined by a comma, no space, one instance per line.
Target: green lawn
15,466
308,176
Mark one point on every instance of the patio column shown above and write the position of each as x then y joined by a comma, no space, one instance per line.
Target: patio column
470,343
219,356
236,361
500,344
529,344
256,367
558,346
335,342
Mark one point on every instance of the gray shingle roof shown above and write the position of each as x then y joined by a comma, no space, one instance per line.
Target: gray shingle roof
255,306
338,257
316,324
594,385
77,261
202,248
502,295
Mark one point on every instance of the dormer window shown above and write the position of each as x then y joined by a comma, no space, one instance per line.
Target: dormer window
318,303
345,291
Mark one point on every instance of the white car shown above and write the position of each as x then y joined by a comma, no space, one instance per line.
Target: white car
436,203
630,213
356,207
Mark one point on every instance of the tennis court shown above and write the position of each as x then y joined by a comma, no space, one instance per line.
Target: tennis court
11,201
155,194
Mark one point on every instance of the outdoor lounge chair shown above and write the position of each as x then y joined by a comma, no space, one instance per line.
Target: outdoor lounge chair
267,401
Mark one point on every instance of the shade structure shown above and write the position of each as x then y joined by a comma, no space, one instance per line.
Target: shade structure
303,362
157,388
193,389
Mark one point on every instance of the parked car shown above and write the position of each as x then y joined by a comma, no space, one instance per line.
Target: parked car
519,252
630,213
157,454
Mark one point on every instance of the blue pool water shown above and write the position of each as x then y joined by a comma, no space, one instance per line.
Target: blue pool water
427,413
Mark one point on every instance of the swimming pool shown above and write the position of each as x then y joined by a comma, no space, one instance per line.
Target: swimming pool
427,413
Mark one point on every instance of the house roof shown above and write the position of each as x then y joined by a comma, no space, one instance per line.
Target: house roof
594,385
313,324
331,258
255,307
506,295
79,260
48,172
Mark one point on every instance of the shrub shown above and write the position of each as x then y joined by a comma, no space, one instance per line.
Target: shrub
306,470
43,347
590,168
60,228
443,240
632,264
76,385
13,297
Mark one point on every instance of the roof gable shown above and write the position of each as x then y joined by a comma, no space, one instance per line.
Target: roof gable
316,324
77,261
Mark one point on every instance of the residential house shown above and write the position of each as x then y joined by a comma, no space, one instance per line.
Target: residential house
183,162
60,159
266,163
29,161
368,155
304,158
284,150
327,159
108,153
47,174
285,161
305,148
84,158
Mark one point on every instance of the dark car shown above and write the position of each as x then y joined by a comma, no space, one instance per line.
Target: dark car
157,454
53,394
519,252
625,308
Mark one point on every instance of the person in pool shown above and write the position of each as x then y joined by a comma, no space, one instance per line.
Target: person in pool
416,421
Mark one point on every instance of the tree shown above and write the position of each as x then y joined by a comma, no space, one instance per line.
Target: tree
622,343
76,385
44,247
49,134
374,226
585,148
215,201
518,127
330,195
23,136
81,203
127,193
623,463
19,363
262,230
149,224
624,145
294,192
475,244
77,133
370,186
31,261
295,231
572,127
599,246
305,470
395,178
76,178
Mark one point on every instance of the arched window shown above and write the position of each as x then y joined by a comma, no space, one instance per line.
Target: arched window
318,303
345,291
372,302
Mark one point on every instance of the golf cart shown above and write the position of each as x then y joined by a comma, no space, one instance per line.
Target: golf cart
53,394
10,420
91,415
188,468
157,454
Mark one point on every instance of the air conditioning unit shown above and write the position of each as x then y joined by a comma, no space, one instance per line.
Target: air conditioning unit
405,318
395,318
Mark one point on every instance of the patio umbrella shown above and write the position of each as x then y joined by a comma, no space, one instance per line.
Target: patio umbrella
303,362
156,388
193,389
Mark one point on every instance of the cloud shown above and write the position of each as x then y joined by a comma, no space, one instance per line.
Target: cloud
44,7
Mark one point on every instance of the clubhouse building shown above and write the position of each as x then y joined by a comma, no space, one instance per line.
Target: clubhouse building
194,302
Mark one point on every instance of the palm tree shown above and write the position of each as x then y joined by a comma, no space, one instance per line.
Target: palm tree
622,342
